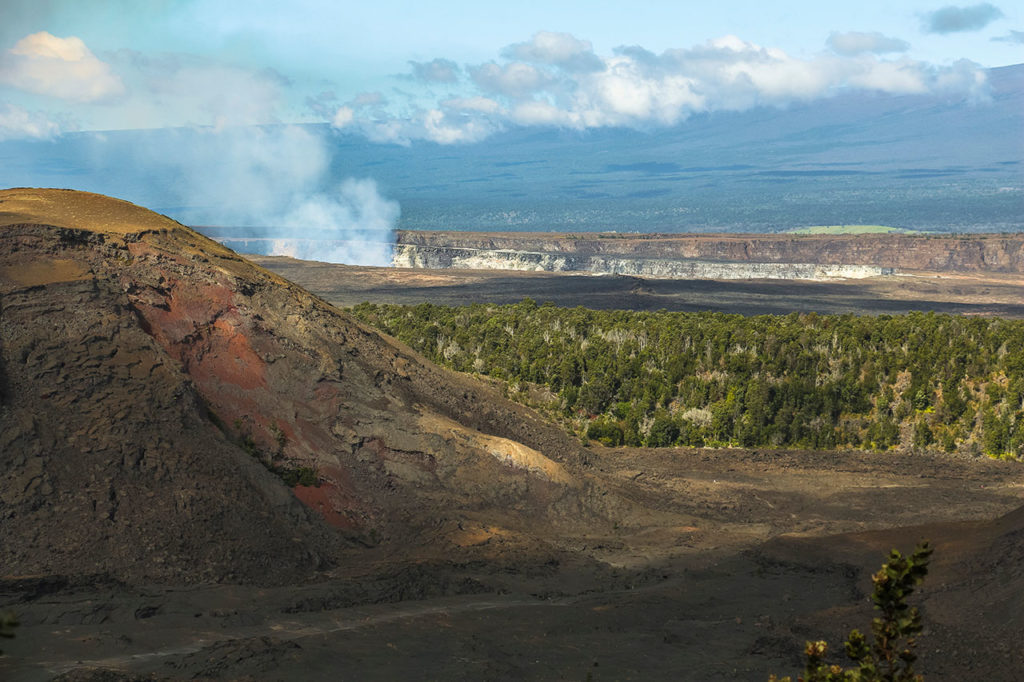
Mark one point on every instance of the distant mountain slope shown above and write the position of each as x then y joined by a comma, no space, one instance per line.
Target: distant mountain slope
925,161
930,162
152,383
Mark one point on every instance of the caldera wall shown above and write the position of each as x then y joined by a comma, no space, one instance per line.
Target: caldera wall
436,257
713,256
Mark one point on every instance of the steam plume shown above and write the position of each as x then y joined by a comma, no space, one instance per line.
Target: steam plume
275,182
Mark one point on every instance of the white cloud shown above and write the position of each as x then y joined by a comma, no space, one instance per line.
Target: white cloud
436,71
903,77
628,93
855,42
515,79
1011,37
557,49
17,123
343,117
446,127
964,76
955,19
535,112
484,105
637,88
65,68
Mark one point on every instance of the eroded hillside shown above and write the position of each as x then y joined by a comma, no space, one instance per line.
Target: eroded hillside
154,382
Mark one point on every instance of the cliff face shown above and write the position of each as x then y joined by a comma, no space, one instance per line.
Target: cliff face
693,255
437,257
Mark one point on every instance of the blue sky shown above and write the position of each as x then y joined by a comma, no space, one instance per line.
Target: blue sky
453,71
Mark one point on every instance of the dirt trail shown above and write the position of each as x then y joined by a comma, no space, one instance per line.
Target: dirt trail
291,629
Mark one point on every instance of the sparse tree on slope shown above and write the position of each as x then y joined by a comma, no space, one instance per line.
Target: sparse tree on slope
891,657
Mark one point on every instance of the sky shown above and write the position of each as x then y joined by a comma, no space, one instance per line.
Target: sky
209,75
453,71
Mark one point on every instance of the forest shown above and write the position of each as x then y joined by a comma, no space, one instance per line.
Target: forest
656,379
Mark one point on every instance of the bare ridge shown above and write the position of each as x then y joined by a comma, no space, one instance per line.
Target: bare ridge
171,412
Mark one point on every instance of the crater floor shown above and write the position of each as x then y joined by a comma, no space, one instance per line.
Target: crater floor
696,594
347,285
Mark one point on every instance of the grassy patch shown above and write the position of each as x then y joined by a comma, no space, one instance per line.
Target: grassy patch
850,229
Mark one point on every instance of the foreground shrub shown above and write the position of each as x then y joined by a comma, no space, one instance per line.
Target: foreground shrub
890,658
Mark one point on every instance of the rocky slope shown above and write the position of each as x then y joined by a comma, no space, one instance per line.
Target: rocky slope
714,256
152,383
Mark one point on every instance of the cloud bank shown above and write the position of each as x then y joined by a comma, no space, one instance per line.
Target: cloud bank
553,80
556,79
17,123
955,19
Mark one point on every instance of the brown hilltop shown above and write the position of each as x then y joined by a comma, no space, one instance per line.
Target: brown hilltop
82,211
151,377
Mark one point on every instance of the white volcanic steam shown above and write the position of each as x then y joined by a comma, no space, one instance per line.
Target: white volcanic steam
231,164
360,221
275,183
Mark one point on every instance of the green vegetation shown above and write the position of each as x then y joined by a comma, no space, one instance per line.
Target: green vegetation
891,656
657,379
849,229
305,476
8,622
274,463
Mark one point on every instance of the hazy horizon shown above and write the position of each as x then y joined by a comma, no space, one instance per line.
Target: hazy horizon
657,116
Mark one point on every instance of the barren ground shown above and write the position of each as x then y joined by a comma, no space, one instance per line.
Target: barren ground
696,590
970,294
725,563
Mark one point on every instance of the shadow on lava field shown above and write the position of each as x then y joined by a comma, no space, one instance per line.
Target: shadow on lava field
347,285
689,591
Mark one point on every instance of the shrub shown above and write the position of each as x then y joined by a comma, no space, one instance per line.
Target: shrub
8,621
891,656
305,476
664,432
605,432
